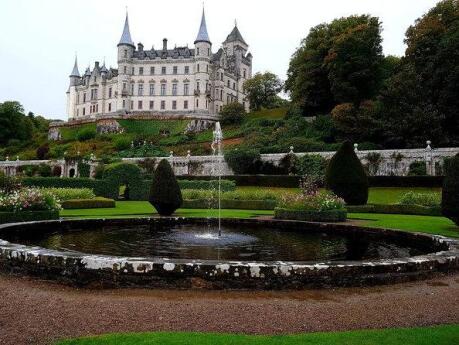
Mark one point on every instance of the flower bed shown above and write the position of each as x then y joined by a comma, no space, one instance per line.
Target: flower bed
64,194
26,204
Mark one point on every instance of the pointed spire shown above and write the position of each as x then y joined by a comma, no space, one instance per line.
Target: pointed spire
203,36
235,35
126,36
75,72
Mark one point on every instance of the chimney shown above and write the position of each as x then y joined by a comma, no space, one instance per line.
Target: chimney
165,44
140,47
97,65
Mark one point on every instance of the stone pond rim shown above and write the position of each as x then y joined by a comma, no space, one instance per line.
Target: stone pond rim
110,271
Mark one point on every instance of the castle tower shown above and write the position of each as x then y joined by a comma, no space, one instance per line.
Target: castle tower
203,52
126,49
72,92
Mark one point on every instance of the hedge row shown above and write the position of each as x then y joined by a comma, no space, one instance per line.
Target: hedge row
292,181
100,187
27,216
231,204
396,209
311,216
225,185
98,202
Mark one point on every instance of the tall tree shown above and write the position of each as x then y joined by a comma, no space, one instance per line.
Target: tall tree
13,123
339,62
262,90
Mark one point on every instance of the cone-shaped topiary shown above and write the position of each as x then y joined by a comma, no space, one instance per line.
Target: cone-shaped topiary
346,177
165,193
450,193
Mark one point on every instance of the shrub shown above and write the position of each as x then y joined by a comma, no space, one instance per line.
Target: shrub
9,184
345,176
84,169
98,202
312,165
87,133
165,194
29,199
118,174
232,113
321,201
225,185
417,168
99,171
122,143
242,161
450,194
196,194
42,151
422,199
64,194
100,187
288,164
44,170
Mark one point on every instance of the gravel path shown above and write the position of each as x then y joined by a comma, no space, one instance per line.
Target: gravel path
37,312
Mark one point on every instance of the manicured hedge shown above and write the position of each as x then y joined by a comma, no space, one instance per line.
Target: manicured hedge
98,202
100,187
311,216
225,185
231,204
396,209
27,216
406,181
118,174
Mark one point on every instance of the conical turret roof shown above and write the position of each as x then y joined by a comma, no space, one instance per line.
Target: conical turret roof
126,35
203,36
235,35
75,72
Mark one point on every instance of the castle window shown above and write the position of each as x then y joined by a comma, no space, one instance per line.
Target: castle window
221,77
163,105
84,97
221,95
109,107
78,112
174,89
124,103
187,69
198,67
152,70
133,71
185,104
84,111
163,89
198,86
110,92
244,72
234,86
197,53
208,51
132,89
124,86
175,70
93,94
186,89
197,103
229,84
125,70
132,105
140,70
140,89
151,105
125,53
163,70
152,89
207,68
174,105
140,105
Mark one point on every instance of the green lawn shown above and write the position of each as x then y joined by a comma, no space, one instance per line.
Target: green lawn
276,113
439,335
377,195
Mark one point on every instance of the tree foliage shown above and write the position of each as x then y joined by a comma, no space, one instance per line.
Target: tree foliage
262,90
450,192
232,113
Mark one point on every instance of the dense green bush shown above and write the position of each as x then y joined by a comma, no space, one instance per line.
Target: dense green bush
422,199
417,168
87,133
450,194
242,161
118,174
122,142
232,113
312,165
346,177
84,169
98,202
64,194
165,194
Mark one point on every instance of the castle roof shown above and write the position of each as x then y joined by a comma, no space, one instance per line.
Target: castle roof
234,36
75,72
126,35
203,36
177,52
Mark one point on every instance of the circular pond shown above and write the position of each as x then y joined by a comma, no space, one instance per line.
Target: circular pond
184,253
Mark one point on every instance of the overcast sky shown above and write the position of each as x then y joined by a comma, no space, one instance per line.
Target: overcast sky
39,39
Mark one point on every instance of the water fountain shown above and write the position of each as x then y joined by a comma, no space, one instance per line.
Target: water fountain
216,166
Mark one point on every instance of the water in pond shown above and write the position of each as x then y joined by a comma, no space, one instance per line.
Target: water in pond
196,242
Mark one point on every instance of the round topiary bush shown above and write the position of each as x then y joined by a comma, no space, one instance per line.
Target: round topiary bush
346,177
165,193
450,193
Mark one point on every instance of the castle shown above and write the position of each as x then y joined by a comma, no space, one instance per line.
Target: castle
182,81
